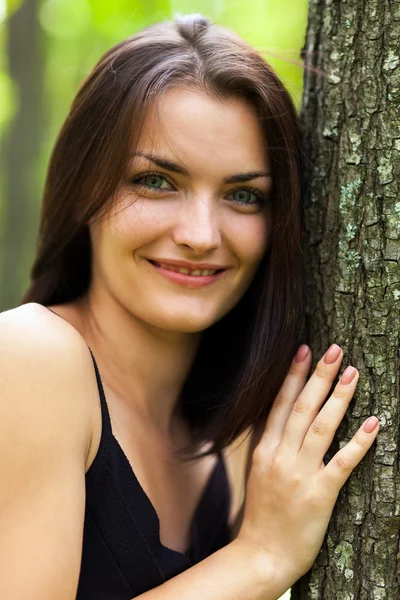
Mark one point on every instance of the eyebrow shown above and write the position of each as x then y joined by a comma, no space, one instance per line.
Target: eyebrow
175,168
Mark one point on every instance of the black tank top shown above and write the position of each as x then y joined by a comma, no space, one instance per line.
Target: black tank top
122,554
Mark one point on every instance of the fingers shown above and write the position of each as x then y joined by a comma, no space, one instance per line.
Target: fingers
337,471
310,399
288,394
322,430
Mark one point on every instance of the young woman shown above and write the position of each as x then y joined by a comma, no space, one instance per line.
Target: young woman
159,328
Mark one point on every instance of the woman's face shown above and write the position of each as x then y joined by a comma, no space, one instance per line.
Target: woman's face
196,193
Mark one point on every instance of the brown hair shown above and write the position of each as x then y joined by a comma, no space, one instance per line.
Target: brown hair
242,359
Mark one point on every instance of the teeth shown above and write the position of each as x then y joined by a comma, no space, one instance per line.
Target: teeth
194,273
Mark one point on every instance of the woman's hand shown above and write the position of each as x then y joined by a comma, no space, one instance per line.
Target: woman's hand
290,492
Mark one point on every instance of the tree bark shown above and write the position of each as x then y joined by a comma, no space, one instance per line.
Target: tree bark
22,147
351,118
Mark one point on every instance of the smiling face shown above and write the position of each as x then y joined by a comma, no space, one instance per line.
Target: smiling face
196,196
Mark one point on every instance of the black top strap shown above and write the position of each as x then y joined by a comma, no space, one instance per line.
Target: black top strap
105,415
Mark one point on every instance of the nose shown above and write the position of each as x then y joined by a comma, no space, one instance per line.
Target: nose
196,225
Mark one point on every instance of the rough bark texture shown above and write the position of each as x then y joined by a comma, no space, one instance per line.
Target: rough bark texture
351,115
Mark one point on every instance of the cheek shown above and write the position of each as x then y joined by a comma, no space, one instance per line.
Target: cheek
136,225
249,238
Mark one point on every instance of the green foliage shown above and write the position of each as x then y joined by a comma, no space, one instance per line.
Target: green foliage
66,19
127,17
11,6
8,104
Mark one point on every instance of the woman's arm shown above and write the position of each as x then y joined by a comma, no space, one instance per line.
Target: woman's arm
44,440
236,572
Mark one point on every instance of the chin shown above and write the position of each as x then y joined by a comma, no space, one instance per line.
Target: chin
183,321
185,324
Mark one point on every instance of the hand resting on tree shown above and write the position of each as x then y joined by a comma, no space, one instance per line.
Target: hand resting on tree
290,492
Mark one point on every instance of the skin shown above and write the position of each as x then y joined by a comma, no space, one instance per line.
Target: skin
145,329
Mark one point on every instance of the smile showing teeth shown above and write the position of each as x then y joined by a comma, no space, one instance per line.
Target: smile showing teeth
194,273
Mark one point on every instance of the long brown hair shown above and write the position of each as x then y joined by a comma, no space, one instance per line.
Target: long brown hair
243,358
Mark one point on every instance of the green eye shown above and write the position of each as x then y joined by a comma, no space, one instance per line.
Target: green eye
246,196
152,180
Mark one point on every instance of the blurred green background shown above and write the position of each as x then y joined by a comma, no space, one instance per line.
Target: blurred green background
48,46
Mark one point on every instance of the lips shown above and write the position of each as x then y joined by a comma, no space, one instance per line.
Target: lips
192,279
197,272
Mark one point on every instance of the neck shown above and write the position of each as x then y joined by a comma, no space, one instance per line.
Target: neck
143,366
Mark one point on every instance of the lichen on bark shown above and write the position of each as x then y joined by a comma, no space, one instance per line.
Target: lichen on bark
351,120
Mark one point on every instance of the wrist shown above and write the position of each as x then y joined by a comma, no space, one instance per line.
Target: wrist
268,573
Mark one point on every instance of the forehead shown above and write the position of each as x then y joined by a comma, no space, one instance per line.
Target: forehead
196,128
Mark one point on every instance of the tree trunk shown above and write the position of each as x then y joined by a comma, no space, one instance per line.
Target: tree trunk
21,154
351,118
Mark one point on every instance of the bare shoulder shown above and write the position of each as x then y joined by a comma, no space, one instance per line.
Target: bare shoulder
22,326
45,433
39,352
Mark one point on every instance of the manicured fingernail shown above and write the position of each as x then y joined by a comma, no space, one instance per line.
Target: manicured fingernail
370,424
302,353
332,354
348,375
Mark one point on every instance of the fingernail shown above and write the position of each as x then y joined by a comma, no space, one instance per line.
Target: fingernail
302,353
348,375
332,354
370,424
